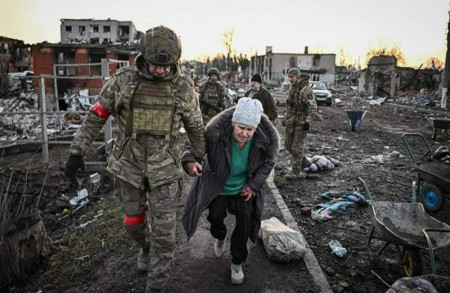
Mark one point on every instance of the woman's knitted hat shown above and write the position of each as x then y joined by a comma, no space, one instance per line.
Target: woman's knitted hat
248,112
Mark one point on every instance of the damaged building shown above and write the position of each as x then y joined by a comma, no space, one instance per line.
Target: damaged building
14,57
77,60
93,31
273,67
383,77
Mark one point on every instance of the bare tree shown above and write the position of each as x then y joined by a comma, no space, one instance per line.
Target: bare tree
227,41
434,63
344,56
385,49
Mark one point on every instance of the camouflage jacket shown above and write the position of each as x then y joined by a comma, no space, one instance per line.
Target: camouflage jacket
136,158
267,101
214,94
301,104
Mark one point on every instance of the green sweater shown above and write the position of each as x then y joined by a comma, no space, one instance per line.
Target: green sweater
239,164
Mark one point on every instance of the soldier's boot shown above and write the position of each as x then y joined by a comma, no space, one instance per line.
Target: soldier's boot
295,174
143,259
138,232
305,163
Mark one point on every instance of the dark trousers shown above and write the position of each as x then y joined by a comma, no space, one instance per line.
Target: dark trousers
242,210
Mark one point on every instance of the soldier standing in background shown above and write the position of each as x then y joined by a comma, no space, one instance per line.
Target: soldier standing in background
212,96
145,159
301,110
260,93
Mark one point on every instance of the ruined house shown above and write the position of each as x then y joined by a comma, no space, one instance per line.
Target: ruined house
383,77
14,57
93,31
273,67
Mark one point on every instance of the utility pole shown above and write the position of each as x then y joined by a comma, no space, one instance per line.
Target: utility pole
446,70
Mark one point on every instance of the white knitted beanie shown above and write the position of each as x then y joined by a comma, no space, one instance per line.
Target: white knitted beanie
248,112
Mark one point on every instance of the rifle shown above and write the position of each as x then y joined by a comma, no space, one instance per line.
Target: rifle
210,106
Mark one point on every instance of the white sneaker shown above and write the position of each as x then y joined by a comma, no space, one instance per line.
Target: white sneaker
219,246
237,274
143,260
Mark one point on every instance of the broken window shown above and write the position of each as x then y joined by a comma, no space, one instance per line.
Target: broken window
96,58
106,28
124,31
94,40
316,60
292,62
94,28
82,29
68,28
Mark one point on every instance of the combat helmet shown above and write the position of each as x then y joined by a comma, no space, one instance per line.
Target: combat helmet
161,46
294,72
212,71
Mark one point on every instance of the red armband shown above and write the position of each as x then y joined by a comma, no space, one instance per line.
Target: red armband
200,95
98,110
131,221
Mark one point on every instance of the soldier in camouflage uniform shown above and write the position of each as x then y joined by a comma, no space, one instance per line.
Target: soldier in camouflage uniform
212,96
149,100
301,109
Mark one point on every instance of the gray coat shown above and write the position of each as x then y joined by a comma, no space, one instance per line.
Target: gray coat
216,169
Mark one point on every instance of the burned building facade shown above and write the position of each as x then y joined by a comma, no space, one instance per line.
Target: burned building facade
93,31
77,60
273,67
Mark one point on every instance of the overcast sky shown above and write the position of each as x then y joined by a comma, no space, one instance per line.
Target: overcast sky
419,26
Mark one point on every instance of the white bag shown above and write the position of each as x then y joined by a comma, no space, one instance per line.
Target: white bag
281,242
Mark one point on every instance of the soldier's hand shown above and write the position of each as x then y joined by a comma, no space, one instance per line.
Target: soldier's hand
73,164
290,102
194,169
305,127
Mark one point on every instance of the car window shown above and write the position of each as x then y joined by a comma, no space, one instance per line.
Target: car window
319,86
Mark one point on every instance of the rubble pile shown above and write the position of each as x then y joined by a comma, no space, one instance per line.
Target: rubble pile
24,126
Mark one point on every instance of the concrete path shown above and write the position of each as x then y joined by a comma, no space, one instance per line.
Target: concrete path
197,269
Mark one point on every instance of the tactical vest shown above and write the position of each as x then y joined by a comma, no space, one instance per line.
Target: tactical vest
153,109
212,94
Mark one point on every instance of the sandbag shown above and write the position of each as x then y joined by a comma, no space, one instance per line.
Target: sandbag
281,243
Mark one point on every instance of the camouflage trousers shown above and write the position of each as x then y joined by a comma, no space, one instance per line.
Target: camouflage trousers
293,141
156,231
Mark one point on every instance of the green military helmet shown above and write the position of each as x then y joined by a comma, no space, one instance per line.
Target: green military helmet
161,46
294,72
212,71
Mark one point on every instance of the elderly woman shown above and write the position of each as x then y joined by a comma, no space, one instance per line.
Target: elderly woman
241,146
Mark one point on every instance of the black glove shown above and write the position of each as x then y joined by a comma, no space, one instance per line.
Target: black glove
290,102
73,164
305,127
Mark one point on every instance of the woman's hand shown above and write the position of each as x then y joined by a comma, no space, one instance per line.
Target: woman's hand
194,169
247,192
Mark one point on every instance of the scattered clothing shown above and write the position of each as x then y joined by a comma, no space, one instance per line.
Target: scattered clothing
339,202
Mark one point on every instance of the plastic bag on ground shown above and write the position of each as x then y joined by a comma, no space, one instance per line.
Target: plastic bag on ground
281,243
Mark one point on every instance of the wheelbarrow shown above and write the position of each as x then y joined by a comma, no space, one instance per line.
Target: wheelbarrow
355,118
434,173
440,126
410,229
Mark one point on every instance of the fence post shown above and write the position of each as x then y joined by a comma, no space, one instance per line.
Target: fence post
108,126
43,118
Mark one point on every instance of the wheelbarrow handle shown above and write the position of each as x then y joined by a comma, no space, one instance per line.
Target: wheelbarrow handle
430,245
366,189
408,148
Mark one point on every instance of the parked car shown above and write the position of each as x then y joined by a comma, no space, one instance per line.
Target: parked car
321,92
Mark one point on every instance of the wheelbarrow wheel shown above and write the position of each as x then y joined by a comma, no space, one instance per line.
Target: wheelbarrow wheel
412,261
431,198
